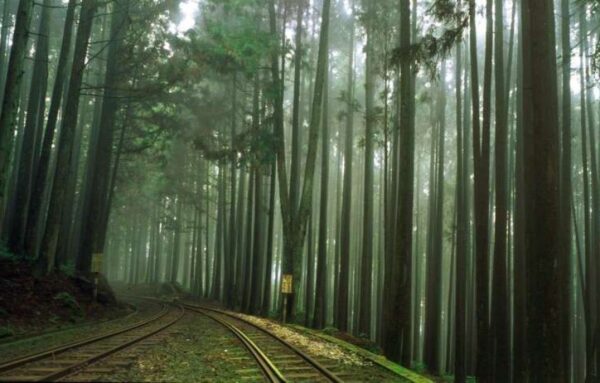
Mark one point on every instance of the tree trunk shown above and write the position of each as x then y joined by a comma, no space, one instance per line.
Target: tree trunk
462,239
296,137
366,262
10,102
546,261
398,279
319,317
434,257
500,326
480,144
36,106
65,145
94,231
35,212
342,287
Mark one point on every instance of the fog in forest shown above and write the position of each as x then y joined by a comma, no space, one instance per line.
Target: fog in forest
419,176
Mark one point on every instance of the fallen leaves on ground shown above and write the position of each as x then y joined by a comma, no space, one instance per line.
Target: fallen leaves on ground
315,346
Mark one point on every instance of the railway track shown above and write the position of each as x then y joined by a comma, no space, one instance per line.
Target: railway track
45,333
278,360
78,358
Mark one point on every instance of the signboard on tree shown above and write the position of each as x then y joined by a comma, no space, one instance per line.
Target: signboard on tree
286,284
97,259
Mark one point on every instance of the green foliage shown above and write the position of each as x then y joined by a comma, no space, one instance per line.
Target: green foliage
7,255
258,148
67,300
231,39
419,367
436,44
5,332
68,269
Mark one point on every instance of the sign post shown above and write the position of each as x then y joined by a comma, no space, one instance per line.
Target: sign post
286,290
97,259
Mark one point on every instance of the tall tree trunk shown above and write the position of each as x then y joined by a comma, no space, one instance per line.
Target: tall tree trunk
282,177
366,262
462,239
500,316
255,269
65,143
94,231
566,182
217,282
398,279
296,137
435,253
343,283
10,102
6,18
480,144
590,282
35,214
270,237
319,317
546,261
232,230
36,106
305,209
520,286
176,255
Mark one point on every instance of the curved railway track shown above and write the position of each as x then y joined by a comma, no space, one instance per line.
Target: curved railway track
278,360
90,358
44,333
78,357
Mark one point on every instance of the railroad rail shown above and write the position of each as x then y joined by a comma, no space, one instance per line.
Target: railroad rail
44,333
75,357
279,360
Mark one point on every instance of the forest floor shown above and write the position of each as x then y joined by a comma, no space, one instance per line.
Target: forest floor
201,350
39,313
31,305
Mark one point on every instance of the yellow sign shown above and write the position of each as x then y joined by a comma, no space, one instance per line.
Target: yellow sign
97,262
286,284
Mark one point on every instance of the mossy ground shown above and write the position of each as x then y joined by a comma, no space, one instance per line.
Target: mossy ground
197,350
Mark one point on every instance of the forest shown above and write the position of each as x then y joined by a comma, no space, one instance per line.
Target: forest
422,174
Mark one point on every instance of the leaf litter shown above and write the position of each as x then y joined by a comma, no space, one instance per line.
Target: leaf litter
316,347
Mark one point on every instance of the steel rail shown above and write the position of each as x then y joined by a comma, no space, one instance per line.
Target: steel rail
271,372
80,365
41,334
18,362
318,366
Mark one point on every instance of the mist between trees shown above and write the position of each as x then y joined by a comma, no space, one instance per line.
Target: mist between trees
426,171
